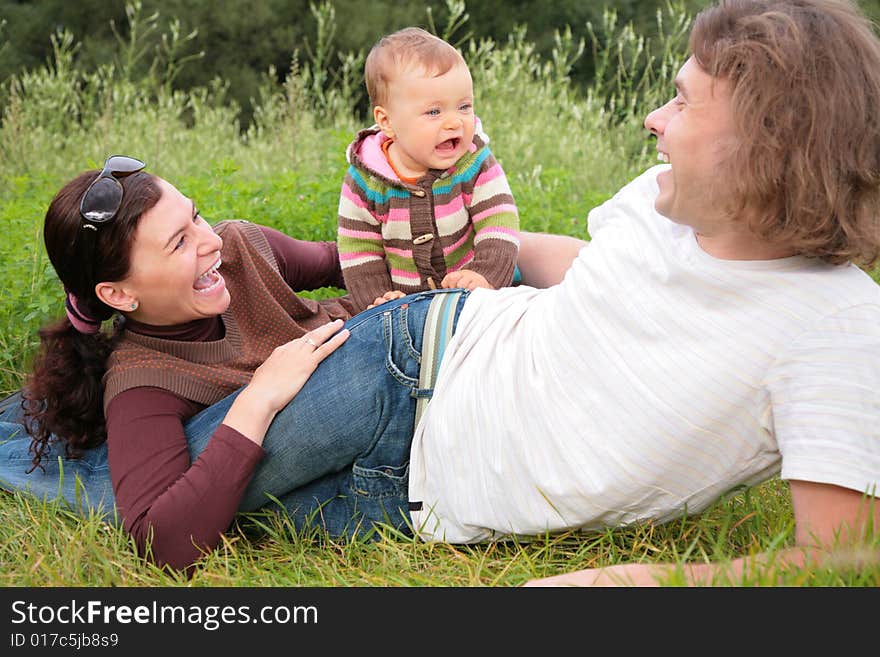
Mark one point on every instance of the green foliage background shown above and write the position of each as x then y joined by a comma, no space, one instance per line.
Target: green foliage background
240,42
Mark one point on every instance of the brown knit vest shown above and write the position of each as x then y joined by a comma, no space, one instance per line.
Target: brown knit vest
264,313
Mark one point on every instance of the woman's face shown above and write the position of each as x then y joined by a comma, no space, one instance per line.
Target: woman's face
174,259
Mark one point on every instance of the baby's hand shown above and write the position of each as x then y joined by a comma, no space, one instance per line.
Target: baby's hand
465,278
388,296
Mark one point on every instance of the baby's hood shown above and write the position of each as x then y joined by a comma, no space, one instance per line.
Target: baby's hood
367,146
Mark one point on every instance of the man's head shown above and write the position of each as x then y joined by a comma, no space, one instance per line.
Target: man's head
801,79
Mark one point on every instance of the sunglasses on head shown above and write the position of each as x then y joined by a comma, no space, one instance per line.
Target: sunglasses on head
103,198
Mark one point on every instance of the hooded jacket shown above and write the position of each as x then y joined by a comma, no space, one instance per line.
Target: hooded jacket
395,235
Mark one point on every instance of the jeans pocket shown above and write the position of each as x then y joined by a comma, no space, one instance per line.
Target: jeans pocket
380,495
402,359
380,482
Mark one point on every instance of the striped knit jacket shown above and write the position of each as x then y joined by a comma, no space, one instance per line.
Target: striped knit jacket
398,236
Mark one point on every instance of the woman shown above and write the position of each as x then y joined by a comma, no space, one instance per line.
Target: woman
712,334
135,230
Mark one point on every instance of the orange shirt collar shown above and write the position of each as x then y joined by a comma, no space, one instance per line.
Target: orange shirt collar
385,145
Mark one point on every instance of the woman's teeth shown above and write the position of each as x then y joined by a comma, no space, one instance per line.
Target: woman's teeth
209,280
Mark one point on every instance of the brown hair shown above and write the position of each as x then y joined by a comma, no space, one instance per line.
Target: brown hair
63,397
805,78
394,52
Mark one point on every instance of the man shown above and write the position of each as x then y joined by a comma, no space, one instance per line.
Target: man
772,145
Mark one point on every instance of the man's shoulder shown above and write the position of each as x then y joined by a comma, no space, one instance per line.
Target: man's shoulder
632,203
644,184
847,287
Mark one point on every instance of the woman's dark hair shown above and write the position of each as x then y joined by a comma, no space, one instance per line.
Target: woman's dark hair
63,397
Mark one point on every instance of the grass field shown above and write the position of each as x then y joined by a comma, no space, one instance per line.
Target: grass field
565,150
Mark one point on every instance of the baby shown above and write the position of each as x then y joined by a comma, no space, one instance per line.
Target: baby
424,203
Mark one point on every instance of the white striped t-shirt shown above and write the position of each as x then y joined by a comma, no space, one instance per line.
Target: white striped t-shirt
652,380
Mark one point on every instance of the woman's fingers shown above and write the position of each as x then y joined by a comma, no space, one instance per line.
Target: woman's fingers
328,346
280,377
319,339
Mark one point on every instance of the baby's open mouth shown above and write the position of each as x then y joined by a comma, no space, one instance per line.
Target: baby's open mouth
449,145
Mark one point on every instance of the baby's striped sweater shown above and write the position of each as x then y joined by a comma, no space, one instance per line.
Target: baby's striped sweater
398,236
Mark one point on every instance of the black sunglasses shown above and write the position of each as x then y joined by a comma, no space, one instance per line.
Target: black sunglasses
102,199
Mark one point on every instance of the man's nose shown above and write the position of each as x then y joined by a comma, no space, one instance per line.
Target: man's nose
656,120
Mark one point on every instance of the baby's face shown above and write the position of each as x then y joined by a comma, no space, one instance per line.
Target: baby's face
430,118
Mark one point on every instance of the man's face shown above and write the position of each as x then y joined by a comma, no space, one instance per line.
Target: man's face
695,133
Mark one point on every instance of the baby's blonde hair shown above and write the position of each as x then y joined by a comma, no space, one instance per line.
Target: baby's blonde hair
409,46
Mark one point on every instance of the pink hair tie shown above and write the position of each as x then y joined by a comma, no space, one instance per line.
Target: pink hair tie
80,320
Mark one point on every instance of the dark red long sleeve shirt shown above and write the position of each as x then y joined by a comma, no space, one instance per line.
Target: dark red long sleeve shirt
178,506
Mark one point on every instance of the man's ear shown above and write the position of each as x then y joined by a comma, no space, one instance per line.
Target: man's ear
115,296
383,120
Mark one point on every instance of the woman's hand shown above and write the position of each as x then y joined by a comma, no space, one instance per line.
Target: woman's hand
290,365
280,377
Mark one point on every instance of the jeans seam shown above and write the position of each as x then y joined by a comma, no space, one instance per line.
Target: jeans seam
404,328
390,367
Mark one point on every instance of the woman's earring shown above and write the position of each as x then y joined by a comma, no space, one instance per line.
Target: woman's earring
134,305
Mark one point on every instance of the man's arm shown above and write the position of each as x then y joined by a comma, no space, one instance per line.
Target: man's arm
831,523
544,258
827,516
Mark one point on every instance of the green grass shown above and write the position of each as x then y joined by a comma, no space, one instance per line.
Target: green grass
565,151
42,544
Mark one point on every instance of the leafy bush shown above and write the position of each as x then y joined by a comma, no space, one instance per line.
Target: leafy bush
565,149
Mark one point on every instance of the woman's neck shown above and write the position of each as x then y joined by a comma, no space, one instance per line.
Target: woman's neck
197,330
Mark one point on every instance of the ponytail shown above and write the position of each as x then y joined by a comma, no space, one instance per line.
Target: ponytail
63,399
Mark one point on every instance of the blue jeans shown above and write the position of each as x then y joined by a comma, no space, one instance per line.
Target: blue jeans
84,483
337,456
